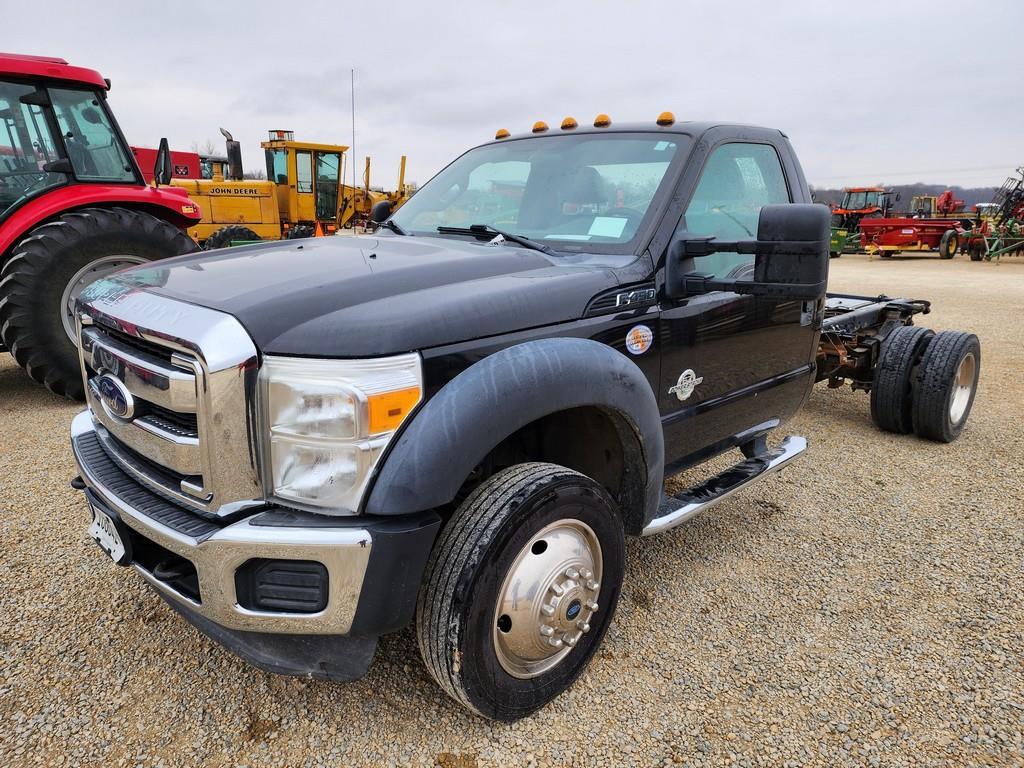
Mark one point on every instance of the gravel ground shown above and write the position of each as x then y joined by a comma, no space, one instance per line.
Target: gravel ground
862,608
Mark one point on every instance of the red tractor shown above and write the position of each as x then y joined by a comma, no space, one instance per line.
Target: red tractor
74,207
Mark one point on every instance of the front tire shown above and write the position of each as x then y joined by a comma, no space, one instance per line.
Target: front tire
520,589
300,232
49,269
224,236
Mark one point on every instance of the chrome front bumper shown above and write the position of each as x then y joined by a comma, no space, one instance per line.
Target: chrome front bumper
217,552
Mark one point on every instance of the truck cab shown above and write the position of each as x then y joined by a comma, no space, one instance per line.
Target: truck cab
455,421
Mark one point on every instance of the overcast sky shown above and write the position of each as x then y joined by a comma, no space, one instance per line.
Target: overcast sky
868,92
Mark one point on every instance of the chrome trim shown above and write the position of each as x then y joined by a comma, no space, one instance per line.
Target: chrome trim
345,552
179,454
145,378
789,449
211,353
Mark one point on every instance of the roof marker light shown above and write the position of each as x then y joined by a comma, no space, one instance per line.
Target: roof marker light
569,123
602,121
502,134
540,126
666,118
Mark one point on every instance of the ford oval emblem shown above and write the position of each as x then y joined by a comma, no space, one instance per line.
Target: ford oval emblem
116,398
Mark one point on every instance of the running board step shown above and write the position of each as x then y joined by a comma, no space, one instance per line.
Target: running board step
681,507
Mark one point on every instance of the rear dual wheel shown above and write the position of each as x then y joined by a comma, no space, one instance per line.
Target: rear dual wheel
520,589
926,382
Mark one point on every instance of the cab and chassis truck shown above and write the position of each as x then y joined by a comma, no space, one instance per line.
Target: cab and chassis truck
454,422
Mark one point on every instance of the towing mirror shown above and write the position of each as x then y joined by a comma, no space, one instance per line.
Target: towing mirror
790,255
162,167
380,211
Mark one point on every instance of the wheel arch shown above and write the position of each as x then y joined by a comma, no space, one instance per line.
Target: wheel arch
170,207
520,401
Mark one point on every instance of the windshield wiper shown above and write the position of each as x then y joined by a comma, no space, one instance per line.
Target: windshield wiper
393,226
487,229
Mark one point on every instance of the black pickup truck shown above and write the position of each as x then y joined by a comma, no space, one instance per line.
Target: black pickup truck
455,421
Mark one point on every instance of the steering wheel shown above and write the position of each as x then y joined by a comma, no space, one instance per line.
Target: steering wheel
32,185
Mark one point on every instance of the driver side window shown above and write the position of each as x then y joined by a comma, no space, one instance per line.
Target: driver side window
737,180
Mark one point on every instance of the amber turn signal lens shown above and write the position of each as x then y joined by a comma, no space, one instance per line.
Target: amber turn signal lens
389,409
602,121
502,134
540,126
666,118
569,123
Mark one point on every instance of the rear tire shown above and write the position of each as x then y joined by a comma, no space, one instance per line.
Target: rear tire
976,251
891,390
224,236
948,244
496,595
945,385
300,232
65,254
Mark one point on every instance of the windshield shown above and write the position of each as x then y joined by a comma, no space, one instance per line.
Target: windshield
855,201
574,192
26,145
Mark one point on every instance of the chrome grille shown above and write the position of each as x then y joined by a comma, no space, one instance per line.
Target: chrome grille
187,376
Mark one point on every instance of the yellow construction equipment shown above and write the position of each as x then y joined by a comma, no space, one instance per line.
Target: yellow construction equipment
304,194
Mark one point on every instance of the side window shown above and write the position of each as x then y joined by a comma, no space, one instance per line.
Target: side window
304,171
738,179
94,149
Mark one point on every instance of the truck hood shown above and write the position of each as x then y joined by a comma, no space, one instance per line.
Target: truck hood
367,296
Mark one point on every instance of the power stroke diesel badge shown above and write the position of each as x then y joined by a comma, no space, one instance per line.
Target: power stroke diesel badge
687,382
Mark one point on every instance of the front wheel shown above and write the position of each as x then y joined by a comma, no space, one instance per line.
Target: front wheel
50,268
520,589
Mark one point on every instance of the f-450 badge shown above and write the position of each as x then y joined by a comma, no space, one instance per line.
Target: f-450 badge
688,381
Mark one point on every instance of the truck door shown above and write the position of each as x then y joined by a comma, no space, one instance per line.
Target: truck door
305,202
732,361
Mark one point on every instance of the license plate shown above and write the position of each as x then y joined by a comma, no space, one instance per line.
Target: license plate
104,532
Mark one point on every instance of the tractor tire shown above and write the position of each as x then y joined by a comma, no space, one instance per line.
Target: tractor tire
300,232
51,266
520,589
976,251
948,244
834,254
945,385
892,388
224,236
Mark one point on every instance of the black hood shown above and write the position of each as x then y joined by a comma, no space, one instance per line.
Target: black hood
366,296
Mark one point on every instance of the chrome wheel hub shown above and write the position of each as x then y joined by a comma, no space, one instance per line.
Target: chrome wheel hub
963,386
548,599
91,272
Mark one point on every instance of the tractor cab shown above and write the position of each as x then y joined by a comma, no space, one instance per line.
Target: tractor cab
55,134
307,177
859,202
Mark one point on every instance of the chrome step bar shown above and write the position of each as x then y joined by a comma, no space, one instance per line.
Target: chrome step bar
681,507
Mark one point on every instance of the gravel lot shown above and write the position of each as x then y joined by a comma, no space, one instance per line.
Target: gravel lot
865,607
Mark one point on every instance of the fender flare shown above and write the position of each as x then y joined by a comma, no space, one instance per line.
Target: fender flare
174,207
499,395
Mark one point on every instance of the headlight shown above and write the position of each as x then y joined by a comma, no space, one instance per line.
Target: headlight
328,423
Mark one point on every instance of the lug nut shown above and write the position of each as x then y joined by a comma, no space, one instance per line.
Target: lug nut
555,642
570,640
557,589
592,606
546,630
582,626
547,610
592,585
587,574
572,573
